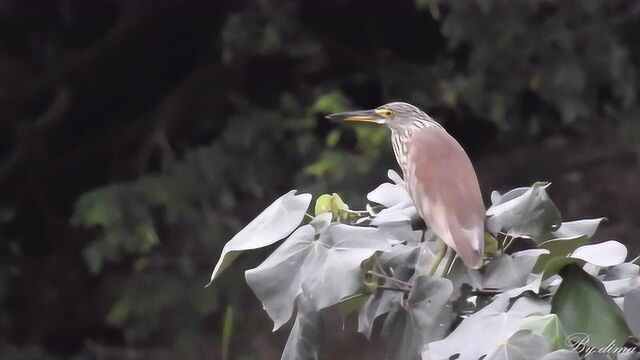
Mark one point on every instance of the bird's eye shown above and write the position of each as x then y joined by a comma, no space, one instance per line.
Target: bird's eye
385,112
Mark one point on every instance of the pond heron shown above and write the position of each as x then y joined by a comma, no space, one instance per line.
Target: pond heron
438,176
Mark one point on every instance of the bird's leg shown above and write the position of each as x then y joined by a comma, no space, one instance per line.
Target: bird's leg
439,256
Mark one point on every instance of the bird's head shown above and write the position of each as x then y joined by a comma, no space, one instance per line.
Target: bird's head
396,115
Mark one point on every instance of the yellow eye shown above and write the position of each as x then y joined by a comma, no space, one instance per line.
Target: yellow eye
384,112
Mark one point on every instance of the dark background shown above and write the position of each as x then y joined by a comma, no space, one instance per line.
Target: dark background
136,137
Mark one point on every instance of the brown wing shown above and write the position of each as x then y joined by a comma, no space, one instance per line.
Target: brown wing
445,190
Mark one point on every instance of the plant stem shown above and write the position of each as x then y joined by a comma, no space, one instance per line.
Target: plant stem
449,263
500,237
227,330
438,259
376,262
510,238
406,291
386,277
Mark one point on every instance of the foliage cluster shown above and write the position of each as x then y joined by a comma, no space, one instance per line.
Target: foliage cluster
542,293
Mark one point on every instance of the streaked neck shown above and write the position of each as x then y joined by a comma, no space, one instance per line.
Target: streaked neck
400,139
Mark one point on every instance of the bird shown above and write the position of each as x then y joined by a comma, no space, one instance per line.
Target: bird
438,174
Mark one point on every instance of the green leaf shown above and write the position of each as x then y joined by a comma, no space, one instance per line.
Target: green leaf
329,161
549,327
333,203
332,138
274,223
490,244
583,306
351,304
564,246
523,345
337,204
554,265
558,248
341,210
323,204
332,102
120,311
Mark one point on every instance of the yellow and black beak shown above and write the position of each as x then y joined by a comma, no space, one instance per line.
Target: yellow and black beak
360,115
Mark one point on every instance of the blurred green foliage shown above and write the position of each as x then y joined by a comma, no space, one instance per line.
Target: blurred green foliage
565,54
521,69
562,55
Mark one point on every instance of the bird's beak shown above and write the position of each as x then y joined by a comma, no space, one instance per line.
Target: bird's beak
359,115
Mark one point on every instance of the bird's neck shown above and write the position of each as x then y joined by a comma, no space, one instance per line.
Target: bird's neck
400,140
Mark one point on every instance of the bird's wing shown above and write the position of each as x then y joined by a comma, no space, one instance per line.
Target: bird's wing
445,190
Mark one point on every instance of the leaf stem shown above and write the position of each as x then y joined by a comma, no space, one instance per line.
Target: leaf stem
376,262
438,259
485,292
406,291
227,330
449,263
510,241
386,277
396,285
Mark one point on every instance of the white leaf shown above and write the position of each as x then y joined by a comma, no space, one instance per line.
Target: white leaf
523,345
324,270
562,355
306,335
576,228
608,253
482,332
273,224
276,282
632,311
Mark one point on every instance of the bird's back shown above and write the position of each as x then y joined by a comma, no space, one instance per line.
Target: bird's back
445,190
